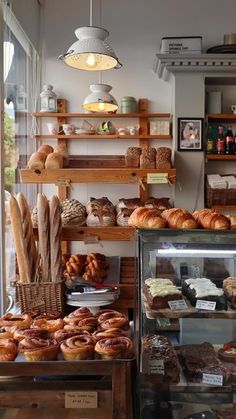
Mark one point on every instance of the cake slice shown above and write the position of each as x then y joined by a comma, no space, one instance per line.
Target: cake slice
203,289
159,291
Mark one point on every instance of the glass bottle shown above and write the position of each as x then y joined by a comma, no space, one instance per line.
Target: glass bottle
209,141
229,141
220,142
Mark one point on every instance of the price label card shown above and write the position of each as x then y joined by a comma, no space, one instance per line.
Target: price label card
213,379
177,305
206,305
156,366
81,399
157,178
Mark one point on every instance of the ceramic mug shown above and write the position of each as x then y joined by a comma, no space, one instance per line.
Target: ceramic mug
68,129
233,108
53,128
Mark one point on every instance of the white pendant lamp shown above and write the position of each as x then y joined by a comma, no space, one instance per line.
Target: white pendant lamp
91,52
100,100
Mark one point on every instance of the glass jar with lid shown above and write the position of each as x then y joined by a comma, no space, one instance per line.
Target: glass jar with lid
48,99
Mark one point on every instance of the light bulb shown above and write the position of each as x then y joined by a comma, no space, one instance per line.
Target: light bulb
101,106
91,61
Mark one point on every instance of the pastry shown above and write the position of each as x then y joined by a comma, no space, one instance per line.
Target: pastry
228,352
159,291
179,218
36,349
132,156
22,321
78,348
108,333
203,289
158,203
211,220
49,315
159,348
146,218
117,322
20,334
114,348
5,334
232,219
109,314
49,325
89,323
63,334
8,349
79,314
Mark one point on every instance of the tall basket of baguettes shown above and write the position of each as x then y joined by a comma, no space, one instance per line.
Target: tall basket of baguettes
40,282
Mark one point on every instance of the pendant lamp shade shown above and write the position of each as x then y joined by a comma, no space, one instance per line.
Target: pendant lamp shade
100,100
90,52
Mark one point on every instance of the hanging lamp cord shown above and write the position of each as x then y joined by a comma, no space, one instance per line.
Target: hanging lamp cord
91,13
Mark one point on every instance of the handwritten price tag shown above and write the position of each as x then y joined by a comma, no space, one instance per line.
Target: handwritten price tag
213,379
81,399
206,305
177,305
157,177
156,366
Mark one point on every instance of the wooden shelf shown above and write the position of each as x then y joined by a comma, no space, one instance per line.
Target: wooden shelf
90,175
222,117
100,115
105,137
224,207
77,233
220,156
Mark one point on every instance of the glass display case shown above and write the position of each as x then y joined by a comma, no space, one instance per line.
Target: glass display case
187,333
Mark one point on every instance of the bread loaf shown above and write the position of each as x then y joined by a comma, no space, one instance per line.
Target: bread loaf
122,217
54,161
62,150
158,203
37,161
55,238
45,148
20,244
211,219
43,233
146,218
28,233
132,156
73,212
179,218
163,158
130,203
148,158
99,203
101,217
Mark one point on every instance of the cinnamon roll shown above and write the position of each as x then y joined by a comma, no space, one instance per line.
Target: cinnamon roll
50,315
37,349
89,323
5,334
63,334
49,325
114,348
8,349
78,347
20,334
109,314
22,321
118,322
79,314
108,333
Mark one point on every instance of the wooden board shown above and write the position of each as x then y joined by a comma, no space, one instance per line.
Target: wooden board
102,115
116,175
96,161
77,233
104,136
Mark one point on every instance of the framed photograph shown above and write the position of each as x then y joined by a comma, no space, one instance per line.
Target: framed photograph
190,133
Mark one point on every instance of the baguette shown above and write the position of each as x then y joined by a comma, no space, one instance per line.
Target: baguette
211,219
146,218
55,238
179,218
20,245
28,233
43,233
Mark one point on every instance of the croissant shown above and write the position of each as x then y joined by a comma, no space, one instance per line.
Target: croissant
232,219
179,218
146,218
211,219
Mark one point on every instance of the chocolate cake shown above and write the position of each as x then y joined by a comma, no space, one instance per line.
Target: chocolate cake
159,291
200,359
203,289
156,347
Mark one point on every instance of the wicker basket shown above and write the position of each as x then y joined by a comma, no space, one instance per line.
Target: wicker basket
43,296
220,196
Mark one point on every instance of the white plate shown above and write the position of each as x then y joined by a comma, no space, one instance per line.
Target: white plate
88,303
84,131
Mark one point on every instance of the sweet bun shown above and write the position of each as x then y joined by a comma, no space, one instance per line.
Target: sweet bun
114,348
8,349
36,349
78,347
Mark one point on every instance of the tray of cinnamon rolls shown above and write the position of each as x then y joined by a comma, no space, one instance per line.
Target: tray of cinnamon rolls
78,336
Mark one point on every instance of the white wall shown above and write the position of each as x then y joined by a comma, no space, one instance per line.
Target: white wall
28,14
136,28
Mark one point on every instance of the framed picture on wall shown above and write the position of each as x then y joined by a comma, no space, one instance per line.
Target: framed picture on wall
190,133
